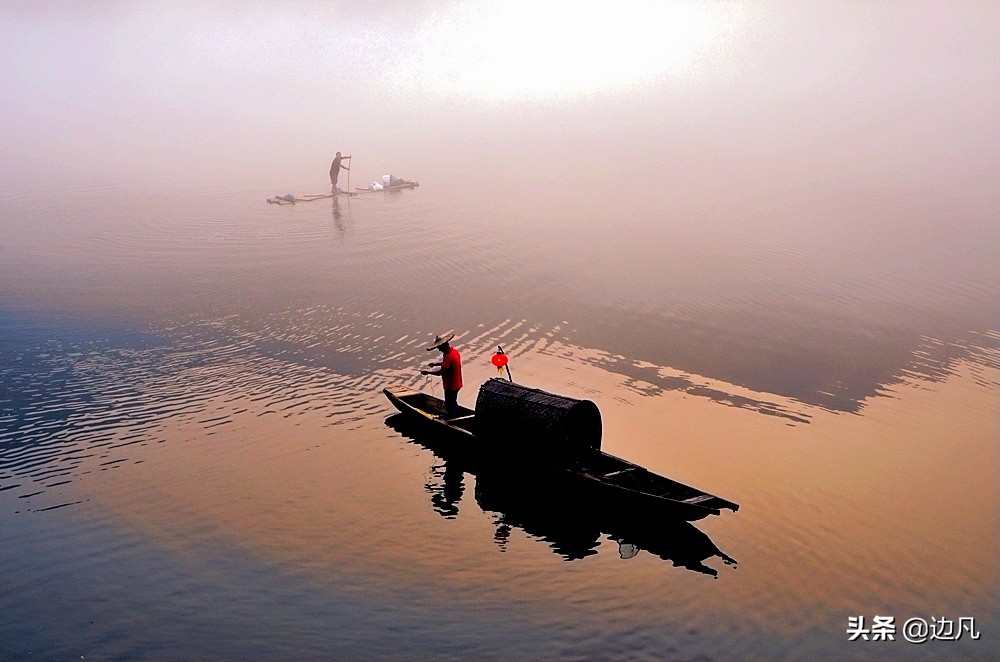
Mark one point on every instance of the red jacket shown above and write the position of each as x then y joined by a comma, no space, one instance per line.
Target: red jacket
451,370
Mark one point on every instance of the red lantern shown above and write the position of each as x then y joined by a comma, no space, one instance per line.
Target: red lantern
499,360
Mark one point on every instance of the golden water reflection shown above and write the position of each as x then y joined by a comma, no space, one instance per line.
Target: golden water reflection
844,515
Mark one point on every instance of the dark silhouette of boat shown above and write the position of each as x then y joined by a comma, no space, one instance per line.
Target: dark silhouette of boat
558,439
569,519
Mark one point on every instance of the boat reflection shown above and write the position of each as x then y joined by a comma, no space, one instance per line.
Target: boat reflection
570,522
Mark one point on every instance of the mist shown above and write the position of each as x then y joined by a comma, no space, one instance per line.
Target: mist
893,94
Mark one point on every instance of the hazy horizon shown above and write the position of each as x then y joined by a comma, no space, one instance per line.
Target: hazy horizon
762,237
715,97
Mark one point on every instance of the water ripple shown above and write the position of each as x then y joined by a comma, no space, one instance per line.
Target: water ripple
75,404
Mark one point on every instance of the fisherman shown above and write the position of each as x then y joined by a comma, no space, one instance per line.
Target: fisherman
335,170
450,369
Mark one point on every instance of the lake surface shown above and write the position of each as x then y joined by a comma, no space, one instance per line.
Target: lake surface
762,237
196,460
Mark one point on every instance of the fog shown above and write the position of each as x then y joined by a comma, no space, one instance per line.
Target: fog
767,98
762,236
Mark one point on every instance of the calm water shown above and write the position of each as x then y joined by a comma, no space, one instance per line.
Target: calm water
762,237
196,459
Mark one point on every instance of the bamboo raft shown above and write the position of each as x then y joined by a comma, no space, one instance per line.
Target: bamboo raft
290,199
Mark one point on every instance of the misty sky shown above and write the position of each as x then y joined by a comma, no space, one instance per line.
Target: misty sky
268,91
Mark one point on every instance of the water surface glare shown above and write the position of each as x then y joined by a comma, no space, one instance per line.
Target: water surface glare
196,460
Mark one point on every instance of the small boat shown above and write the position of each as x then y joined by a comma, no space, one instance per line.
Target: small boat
606,477
570,521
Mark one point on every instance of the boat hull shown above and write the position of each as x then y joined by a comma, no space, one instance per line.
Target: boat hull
606,480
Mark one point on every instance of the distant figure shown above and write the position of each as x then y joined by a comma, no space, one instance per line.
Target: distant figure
335,170
450,370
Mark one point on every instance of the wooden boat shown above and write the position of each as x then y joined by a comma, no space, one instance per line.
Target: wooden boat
570,522
607,477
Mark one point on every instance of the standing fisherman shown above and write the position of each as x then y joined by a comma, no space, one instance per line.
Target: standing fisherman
450,370
335,171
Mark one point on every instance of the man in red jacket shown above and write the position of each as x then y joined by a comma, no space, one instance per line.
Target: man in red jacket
450,369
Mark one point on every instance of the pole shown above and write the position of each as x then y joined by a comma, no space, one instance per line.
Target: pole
506,365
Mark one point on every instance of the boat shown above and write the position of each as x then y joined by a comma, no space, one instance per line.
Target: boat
572,524
607,478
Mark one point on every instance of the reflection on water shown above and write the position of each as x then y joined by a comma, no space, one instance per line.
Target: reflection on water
736,308
573,528
776,275
191,379
75,395
338,216
569,520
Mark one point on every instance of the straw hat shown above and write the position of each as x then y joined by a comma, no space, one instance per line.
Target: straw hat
440,340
